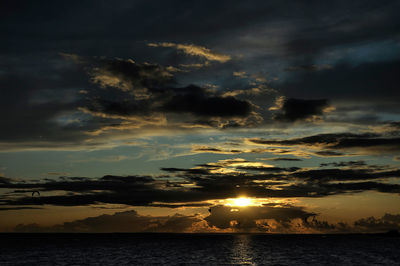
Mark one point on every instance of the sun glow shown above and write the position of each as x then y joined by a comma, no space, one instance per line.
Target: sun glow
240,202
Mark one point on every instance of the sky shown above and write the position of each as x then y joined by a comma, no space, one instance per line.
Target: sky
200,116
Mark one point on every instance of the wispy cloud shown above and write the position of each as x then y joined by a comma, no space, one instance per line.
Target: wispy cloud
309,67
194,50
369,143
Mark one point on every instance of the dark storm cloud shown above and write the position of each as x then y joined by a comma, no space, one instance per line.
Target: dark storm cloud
5,180
121,108
297,109
191,187
205,187
345,29
40,106
210,181
37,32
18,208
335,174
383,143
195,100
32,107
317,27
320,139
344,164
309,182
55,106
191,100
370,143
308,51
372,83
188,171
146,89
340,188
129,190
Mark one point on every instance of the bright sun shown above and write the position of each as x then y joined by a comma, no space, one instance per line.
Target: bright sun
242,202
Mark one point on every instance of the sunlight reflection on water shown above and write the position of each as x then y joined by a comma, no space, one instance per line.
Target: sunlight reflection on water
241,251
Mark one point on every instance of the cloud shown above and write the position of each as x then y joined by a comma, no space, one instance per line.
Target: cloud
350,58
194,50
271,218
197,185
47,114
145,97
259,90
124,74
345,164
221,219
195,100
356,87
121,96
189,171
245,218
308,68
231,166
206,149
362,143
386,223
223,149
240,74
180,107
128,221
18,208
5,180
267,168
188,187
337,174
211,150
57,116
298,109
329,154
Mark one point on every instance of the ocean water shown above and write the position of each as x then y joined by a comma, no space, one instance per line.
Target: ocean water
198,249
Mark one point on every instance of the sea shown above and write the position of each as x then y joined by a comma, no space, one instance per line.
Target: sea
197,249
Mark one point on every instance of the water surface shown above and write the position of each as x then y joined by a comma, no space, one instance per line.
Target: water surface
198,249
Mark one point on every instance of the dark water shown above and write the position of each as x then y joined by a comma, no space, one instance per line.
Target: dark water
197,249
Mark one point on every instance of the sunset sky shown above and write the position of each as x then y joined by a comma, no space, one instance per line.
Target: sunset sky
200,116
